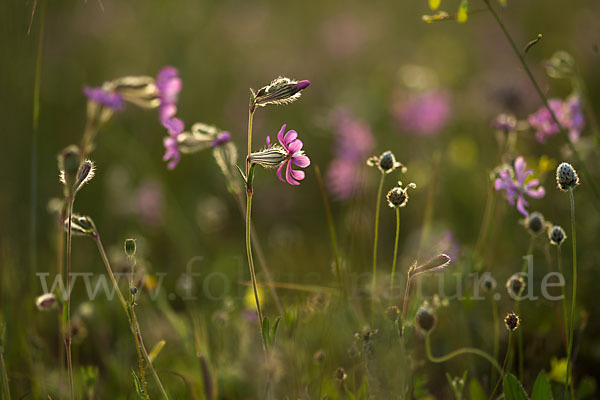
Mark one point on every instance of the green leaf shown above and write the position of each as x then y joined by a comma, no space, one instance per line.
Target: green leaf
476,391
241,173
138,386
274,331
265,331
541,388
513,390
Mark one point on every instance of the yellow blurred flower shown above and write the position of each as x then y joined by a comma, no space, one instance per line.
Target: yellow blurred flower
250,302
434,4
558,369
150,282
546,164
439,16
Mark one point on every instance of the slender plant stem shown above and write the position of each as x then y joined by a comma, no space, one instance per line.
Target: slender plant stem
487,217
496,325
67,334
506,357
249,194
404,304
564,299
458,352
332,236
4,374
124,304
395,251
544,99
60,255
574,296
518,309
375,239
134,326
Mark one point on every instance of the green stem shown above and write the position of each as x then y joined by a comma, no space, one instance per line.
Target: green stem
496,345
564,299
70,201
124,304
395,251
4,374
135,328
249,194
518,309
506,357
332,235
574,296
377,208
458,352
544,99
487,217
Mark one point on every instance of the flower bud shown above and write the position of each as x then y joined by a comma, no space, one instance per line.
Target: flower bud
138,90
81,225
535,223
46,302
340,375
386,162
556,235
398,196
280,91
425,319
515,285
512,321
130,247
68,164
561,65
85,174
566,177
488,283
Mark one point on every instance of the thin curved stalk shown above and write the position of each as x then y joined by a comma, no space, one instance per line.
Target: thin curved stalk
564,299
496,345
395,251
4,374
544,99
375,240
518,309
506,357
70,201
574,296
458,352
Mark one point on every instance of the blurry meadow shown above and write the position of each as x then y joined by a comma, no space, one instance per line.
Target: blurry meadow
386,236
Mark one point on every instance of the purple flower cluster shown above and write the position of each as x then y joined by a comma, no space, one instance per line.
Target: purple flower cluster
425,114
104,97
295,155
169,85
568,113
354,142
512,181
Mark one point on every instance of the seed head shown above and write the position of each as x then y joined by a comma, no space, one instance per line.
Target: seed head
386,162
515,285
535,223
398,196
46,302
556,235
488,283
340,375
566,177
130,247
512,321
425,319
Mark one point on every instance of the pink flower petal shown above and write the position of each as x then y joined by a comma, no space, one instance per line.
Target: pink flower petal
279,171
521,204
280,136
288,175
536,193
298,175
520,166
301,161
290,137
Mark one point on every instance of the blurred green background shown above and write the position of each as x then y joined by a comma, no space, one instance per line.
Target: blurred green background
354,53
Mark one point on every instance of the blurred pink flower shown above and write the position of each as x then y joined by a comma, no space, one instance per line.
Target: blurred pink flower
512,181
169,85
174,127
148,200
354,142
568,113
424,114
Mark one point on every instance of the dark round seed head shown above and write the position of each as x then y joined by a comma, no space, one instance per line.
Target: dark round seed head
340,374
557,235
515,285
397,197
535,222
425,319
387,161
511,321
488,283
566,177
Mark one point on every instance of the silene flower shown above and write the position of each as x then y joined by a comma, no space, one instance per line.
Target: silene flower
286,153
138,90
168,85
172,155
512,181
202,136
279,91
568,113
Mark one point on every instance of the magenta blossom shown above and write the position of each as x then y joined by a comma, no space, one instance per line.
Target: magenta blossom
169,85
425,114
517,188
104,97
568,113
174,127
293,147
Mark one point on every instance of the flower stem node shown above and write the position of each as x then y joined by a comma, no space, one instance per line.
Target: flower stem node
512,321
566,177
556,235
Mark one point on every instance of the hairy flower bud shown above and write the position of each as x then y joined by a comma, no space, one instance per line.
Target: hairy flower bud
68,164
556,235
280,91
81,225
512,321
566,177
138,90
425,319
46,302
